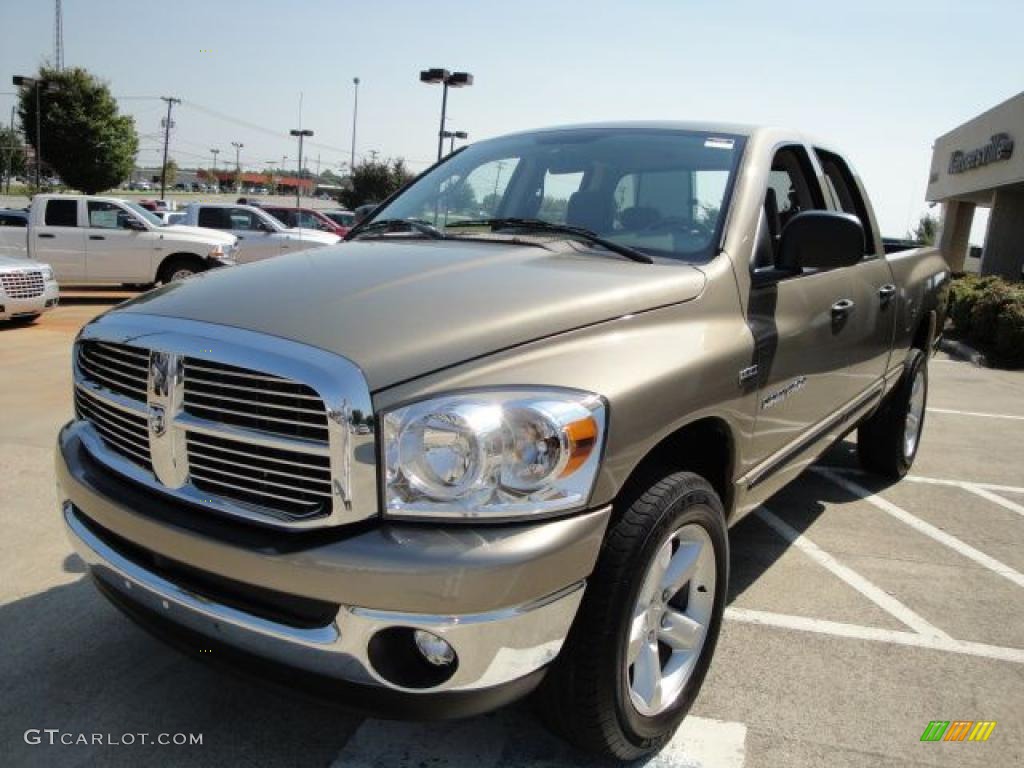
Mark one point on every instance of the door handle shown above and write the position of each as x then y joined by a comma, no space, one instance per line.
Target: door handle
842,307
886,292
97,237
240,237
47,235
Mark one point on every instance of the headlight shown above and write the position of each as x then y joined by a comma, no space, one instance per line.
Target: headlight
492,455
47,274
217,251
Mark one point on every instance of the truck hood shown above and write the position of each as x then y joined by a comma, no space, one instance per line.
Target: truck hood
197,234
13,262
402,308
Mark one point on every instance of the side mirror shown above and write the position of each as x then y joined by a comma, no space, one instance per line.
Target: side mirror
820,240
130,222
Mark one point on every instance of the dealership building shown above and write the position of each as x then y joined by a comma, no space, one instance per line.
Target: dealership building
978,164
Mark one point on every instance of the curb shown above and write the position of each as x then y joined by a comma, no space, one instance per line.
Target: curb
961,351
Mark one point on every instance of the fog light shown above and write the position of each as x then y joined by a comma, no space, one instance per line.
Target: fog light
434,649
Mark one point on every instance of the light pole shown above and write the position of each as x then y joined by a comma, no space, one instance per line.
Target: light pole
355,114
31,82
453,135
447,80
301,133
171,101
238,166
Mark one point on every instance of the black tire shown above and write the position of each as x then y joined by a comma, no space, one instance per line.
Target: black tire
585,697
883,441
180,267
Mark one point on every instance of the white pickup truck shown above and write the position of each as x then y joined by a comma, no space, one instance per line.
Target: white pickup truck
260,235
104,241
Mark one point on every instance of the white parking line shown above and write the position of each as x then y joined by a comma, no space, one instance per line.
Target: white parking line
995,499
976,413
858,632
927,529
940,481
878,596
506,740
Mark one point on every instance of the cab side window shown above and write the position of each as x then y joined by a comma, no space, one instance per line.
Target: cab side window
103,215
61,213
792,189
214,218
846,193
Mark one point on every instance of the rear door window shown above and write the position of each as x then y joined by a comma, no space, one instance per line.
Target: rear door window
847,193
215,218
61,213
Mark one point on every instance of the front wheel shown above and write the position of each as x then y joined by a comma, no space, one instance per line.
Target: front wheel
887,442
180,268
643,640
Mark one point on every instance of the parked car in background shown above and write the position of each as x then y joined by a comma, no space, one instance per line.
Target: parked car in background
341,217
13,224
364,210
107,241
155,206
305,218
168,217
260,235
27,289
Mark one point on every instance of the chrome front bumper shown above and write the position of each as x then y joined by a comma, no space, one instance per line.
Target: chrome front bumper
492,648
503,597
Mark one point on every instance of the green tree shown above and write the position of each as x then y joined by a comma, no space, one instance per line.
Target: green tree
927,229
170,172
12,154
85,140
374,180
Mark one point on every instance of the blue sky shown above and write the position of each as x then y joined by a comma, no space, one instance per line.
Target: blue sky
879,79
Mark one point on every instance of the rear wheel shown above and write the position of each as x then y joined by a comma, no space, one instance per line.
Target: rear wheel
180,268
887,442
642,642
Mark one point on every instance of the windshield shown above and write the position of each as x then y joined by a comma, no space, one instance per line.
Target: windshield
659,191
142,213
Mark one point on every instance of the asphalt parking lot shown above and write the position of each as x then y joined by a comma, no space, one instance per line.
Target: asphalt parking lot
859,613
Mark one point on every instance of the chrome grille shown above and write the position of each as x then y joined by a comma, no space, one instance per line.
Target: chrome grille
116,367
122,431
22,285
296,483
245,398
263,432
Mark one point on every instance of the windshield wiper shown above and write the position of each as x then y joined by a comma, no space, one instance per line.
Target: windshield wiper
414,224
565,229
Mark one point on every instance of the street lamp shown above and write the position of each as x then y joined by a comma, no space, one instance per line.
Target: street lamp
32,82
238,166
301,133
453,135
447,80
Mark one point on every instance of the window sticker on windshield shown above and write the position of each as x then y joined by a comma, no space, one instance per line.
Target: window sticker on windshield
714,143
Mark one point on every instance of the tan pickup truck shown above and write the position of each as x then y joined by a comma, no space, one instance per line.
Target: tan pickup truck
496,448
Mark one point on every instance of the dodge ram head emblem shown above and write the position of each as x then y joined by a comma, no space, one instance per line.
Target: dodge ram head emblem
157,422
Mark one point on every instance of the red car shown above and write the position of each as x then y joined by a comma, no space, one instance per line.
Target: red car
155,205
307,218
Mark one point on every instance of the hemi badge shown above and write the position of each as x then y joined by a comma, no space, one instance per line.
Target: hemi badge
748,374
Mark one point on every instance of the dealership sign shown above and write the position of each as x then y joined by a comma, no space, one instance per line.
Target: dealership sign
999,148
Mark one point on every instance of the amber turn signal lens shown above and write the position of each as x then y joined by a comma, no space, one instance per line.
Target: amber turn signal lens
582,436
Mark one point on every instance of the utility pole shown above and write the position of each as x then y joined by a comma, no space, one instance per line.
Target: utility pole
171,101
355,114
238,166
